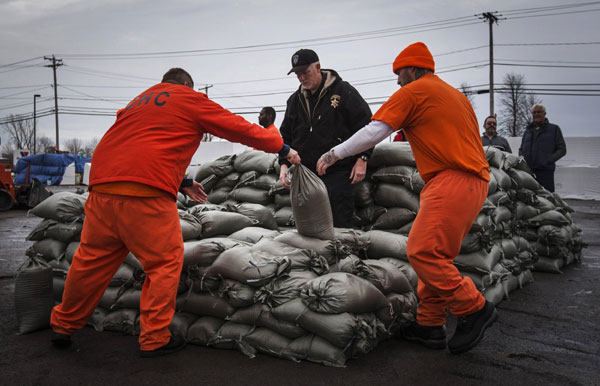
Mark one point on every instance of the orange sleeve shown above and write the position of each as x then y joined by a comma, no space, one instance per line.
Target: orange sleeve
396,110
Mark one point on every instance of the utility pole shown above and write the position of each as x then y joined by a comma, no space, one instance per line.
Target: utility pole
55,63
207,137
34,128
491,18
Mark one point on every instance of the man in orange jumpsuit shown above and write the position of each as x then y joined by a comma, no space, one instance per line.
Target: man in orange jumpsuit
442,130
136,172
266,118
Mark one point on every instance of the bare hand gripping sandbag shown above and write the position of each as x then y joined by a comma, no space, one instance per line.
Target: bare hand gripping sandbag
310,204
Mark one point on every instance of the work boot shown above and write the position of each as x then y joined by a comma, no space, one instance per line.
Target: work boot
430,336
59,340
470,328
175,344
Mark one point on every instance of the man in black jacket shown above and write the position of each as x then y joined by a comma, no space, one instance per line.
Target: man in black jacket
324,112
542,145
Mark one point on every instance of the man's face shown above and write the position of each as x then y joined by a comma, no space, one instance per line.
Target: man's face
311,77
263,118
539,115
406,75
490,127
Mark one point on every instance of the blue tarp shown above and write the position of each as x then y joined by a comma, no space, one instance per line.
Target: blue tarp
48,168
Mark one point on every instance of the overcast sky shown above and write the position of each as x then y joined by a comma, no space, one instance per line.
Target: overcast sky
112,50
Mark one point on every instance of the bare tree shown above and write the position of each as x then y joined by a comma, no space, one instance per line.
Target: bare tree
208,137
90,147
20,131
6,151
469,93
74,145
516,104
43,143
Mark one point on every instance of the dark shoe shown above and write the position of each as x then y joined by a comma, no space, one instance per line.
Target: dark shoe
60,340
175,344
430,336
470,329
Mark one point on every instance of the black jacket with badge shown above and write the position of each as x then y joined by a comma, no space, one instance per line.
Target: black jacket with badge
337,113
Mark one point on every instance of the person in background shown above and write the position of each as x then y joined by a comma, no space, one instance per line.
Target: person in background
491,138
323,112
399,137
442,130
541,146
266,118
136,172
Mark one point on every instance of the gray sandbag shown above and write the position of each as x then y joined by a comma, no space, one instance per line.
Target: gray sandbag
58,287
258,181
363,194
501,214
191,227
513,161
365,217
385,244
254,160
301,259
543,204
220,167
205,252
339,329
502,178
52,229
492,185
62,206
500,198
254,234
398,174
125,321
129,298
495,293
231,336
392,153
260,315
475,241
110,296
523,180
223,223
203,330
553,235
48,249
523,211
97,319
342,292
354,239
390,277
208,183
181,322
282,200
283,289
509,248
229,181
70,250
218,196
495,156
235,293
310,205
551,217
262,215
479,262
204,305
251,194
483,222
331,250
269,342
122,276
406,269
249,266
404,306
394,218
206,207
390,195
197,280
34,296
551,251
416,183
315,349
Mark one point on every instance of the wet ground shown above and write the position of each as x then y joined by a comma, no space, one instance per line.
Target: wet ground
547,334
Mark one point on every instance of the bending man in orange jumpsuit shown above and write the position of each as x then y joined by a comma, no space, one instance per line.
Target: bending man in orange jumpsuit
136,172
442,130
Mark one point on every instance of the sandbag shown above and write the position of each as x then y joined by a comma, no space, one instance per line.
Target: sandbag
235,293
394,218
481,261
33,295
191,227
390,195
282,200
553,235
523,180
220,167
392,153
342,292
331,250
262,215
283,289
399,174
310,205
229,181
181,322
204,305
52,229
406,269
205,252
260,315
256,180
551,217
204,329
251,195
495,156
47,249
385,244
222,223
254,160
285,217
125,321
62,206
363,194
301,259
316,349
254,234
269,342
249,266
502,178
218,196
390,277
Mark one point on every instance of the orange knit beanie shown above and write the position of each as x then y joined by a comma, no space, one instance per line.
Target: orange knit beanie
415,55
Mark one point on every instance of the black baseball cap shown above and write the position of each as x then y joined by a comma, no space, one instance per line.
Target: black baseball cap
302,59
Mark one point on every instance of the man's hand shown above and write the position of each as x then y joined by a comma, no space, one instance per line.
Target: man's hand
195,192
283,176
358,171
326,161
293,157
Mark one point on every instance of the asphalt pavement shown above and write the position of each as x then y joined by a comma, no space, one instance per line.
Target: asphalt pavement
547,334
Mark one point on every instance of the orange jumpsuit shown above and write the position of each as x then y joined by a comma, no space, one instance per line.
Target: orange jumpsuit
136,171
442,130
271,127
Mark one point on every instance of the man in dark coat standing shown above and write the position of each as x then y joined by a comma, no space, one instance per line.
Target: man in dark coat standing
542,145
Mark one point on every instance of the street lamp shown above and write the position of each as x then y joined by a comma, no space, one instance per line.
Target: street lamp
34,139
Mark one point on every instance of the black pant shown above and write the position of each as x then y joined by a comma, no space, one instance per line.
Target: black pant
545,178
341,197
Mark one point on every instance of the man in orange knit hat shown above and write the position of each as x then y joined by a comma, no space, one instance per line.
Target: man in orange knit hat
136,172
442,130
